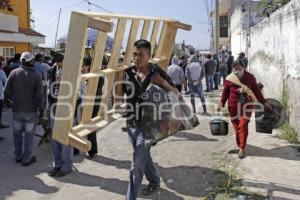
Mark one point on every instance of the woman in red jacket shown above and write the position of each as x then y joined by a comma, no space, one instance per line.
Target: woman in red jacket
240,103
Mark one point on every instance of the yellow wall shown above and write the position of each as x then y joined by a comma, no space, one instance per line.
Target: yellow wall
21,10
19,47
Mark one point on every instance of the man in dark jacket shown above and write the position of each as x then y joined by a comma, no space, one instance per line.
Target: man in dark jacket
210,69
229,62
217,73
24,86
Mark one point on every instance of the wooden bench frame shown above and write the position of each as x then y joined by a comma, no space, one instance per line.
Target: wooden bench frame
63,130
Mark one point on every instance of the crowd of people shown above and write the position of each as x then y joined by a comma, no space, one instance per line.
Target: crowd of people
32,88
188,72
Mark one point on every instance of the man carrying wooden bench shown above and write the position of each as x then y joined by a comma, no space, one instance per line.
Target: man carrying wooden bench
137,79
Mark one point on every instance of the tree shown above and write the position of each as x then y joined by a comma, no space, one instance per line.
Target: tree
270,6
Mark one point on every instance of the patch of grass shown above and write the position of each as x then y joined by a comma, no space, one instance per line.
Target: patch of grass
288,133
229,187
284,100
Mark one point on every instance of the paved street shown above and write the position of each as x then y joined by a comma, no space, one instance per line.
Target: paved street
188,163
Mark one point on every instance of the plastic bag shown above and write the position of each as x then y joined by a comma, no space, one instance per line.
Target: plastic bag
164,114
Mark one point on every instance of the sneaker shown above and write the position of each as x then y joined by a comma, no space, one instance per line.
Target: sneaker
242,154
91,156
76,152
18,160
205,113
31,161
61,173
124,129
150,189
53,171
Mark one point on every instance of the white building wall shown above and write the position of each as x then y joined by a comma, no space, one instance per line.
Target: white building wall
274,55
8,23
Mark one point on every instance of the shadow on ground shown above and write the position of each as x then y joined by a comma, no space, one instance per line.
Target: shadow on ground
24,178
287,152
185,180
192,137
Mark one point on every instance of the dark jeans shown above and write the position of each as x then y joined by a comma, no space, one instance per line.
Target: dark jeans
223,74
63,154
24,123
216,80
197,90
209,82
141,163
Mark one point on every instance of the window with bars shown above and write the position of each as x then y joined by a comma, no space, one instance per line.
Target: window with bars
224,26
7,53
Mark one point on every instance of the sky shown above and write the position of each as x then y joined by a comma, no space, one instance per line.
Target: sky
191,12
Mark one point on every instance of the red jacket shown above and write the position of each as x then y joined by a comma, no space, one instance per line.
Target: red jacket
231,91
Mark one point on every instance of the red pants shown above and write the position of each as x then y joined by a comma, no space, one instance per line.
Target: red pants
240,121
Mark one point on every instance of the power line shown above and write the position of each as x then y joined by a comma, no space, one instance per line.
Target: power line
97,6
63,8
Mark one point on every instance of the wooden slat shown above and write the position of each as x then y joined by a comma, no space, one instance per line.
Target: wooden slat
80,143
182,26
162,38
103,72
145,29
114,59
95,126
154,35
100,25
111,115
72,67
127,60
93,83
167,44
131,40
118,16
177,23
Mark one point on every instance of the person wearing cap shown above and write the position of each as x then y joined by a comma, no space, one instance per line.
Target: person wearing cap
63,154
240,91
24,87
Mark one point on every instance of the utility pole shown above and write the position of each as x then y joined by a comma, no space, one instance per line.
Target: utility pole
249,31
217,27
57,27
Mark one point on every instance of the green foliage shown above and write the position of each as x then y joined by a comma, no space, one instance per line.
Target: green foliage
270,6
284,100
288,133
